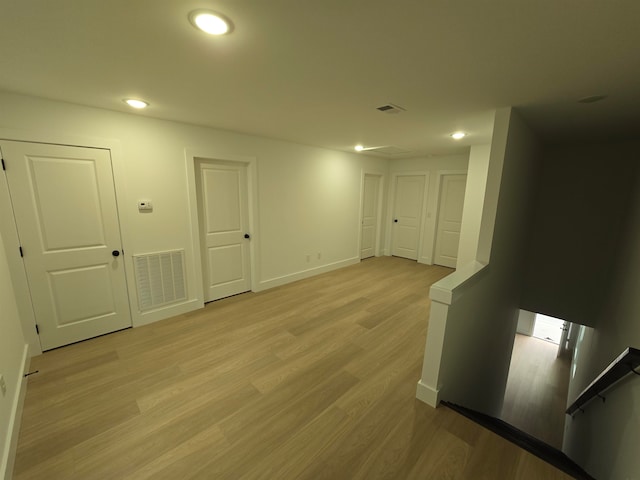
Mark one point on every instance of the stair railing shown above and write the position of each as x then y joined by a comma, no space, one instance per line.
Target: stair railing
625,364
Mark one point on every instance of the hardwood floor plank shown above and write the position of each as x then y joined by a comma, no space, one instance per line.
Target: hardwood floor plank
168,465
261,430
444,457
54,439
493,458
213,383
373,423
346,329
537,388
377,386
532,468
58,404
302,324
291,457
235,354
315,379
397,454
315,362
302,394
59,466
132,451
380,315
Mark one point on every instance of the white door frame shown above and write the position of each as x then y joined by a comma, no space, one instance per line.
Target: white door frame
10,234
377,243
436,211
563,346
191,155
392,206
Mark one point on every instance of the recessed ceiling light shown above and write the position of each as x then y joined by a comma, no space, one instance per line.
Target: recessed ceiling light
210,22
458,135
132,102
358,148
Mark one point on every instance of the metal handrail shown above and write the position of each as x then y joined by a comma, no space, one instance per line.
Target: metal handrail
625,364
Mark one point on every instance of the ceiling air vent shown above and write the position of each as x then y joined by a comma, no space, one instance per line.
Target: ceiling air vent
389,151
391,108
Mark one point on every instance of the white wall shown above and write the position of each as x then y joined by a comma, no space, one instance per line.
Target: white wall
576,227
430,166
479,156
13,359
308,198
474,310
605,438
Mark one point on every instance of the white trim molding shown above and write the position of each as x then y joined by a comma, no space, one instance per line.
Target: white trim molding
145,318
443,294
9,456
191,155
378,249
436,209
428,395
293,277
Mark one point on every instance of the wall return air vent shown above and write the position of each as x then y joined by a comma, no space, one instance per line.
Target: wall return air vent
160,279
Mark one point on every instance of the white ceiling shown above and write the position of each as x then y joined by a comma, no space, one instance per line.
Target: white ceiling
313,72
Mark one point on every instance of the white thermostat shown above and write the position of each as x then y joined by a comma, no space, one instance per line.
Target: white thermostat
145,206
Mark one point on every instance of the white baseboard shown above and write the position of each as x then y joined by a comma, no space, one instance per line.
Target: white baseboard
16,419
427,395
293,277
425,260
169,311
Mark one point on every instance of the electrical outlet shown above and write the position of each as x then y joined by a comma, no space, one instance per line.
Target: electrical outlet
3,386
308,257
319,255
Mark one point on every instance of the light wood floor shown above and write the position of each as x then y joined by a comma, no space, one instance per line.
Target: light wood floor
537,389
312,380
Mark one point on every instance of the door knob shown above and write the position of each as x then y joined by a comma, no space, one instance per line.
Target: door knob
395,220
115,253
246,235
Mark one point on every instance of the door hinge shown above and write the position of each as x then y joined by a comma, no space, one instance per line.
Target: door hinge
21,252
37,329
3,165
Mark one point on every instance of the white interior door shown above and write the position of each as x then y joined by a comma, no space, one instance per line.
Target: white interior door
370,220
449,221
65,211
407,215
224,226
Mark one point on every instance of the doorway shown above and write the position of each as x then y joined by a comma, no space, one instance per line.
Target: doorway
450,206
65,212
223,214
548,328
370,215
408,205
